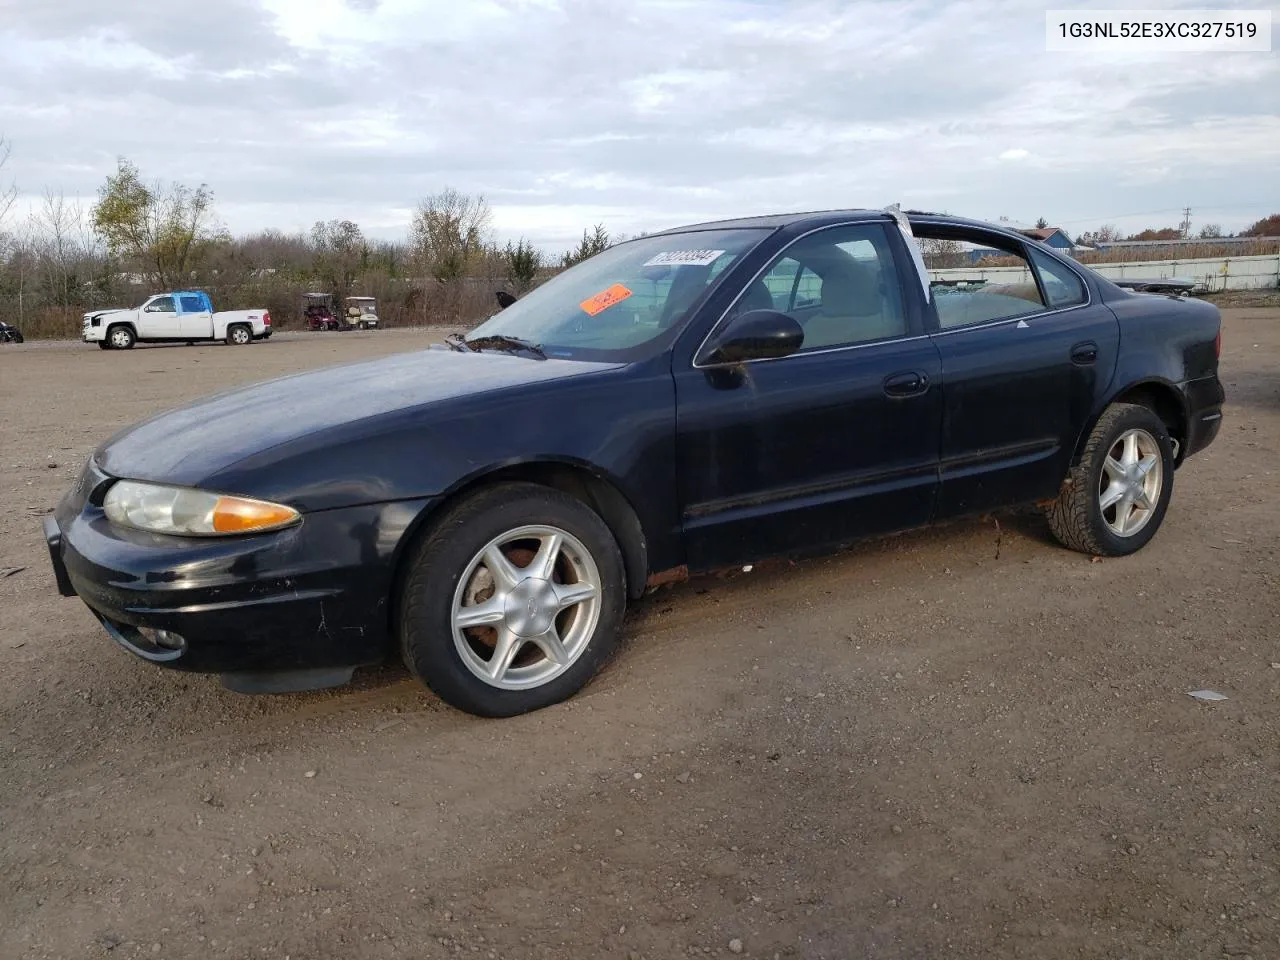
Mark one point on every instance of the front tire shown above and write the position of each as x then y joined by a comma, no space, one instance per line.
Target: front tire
1115,498
103,345
121,338
513,602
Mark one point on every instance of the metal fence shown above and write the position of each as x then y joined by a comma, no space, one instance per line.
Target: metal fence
1211,274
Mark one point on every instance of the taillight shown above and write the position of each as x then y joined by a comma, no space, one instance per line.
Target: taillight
1217,344
266,319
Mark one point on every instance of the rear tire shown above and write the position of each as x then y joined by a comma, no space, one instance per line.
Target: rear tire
238,335
121,337
554,606
1115,498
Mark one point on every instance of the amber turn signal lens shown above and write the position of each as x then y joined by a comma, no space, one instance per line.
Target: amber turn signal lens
188,512
234,515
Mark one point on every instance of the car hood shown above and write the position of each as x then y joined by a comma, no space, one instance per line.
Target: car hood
192,443
103,313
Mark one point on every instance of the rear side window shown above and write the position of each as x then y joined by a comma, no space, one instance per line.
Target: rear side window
976,277
191,303
1061,286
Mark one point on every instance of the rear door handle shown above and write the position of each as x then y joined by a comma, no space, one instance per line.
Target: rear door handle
1085,353
909,384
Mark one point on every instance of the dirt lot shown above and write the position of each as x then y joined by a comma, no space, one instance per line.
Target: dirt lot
948,743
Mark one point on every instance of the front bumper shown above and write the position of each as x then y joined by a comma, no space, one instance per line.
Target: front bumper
308,599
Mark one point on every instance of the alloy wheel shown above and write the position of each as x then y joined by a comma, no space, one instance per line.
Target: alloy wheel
1131,481
526,607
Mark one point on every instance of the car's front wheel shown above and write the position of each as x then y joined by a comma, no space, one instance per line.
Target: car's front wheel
513,601
1115,498
121,338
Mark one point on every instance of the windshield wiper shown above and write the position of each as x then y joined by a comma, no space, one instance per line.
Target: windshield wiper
500,341
454,341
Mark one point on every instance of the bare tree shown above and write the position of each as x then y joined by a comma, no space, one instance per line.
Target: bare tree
1104,234
449,233
1211,231
339,252
9,194
164,229
65,245
940,254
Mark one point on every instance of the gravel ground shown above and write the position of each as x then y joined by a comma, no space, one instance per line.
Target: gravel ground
963,742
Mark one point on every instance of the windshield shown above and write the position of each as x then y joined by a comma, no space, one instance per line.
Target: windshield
615,305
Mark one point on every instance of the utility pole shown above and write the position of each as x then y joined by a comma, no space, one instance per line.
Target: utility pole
1186,223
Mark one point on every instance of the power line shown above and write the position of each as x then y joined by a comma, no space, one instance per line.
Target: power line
1102,218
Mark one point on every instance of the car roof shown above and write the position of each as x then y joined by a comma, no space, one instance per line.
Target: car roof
820,218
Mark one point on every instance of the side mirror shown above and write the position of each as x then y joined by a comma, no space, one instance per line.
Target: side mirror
504,299
757,335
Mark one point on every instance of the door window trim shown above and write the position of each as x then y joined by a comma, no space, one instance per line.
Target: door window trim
1035,275
897,270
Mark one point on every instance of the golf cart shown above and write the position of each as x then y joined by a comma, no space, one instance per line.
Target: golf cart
317,312
362,313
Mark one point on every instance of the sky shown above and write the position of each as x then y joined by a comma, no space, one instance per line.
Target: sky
641,115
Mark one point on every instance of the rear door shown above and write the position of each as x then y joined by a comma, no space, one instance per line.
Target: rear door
835,442
196,318
1025,351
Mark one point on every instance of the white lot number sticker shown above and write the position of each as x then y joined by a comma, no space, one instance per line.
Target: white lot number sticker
685,258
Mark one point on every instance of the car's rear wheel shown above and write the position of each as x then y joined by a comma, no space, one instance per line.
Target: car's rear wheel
121,338
513,602
1115,498
238,335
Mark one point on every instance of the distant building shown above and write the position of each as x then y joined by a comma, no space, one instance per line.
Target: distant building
1054,237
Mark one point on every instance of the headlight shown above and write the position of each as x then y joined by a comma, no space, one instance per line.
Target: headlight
192,513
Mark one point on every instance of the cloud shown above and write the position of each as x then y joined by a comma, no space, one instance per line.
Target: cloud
570,112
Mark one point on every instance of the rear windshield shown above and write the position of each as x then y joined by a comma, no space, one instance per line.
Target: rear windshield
627,302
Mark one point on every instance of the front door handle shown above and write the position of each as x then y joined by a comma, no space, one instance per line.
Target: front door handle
911,383
1083,354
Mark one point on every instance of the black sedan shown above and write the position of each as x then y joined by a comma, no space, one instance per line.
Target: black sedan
699,398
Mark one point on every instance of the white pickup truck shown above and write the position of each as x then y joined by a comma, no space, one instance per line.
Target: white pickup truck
182,316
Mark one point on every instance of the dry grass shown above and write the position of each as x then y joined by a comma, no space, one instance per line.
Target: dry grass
1189,251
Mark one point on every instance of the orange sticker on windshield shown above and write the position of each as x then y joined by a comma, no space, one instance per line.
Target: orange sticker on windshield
605,299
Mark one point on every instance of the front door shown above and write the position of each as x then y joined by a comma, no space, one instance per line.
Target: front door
835,442
1026,349
159,319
